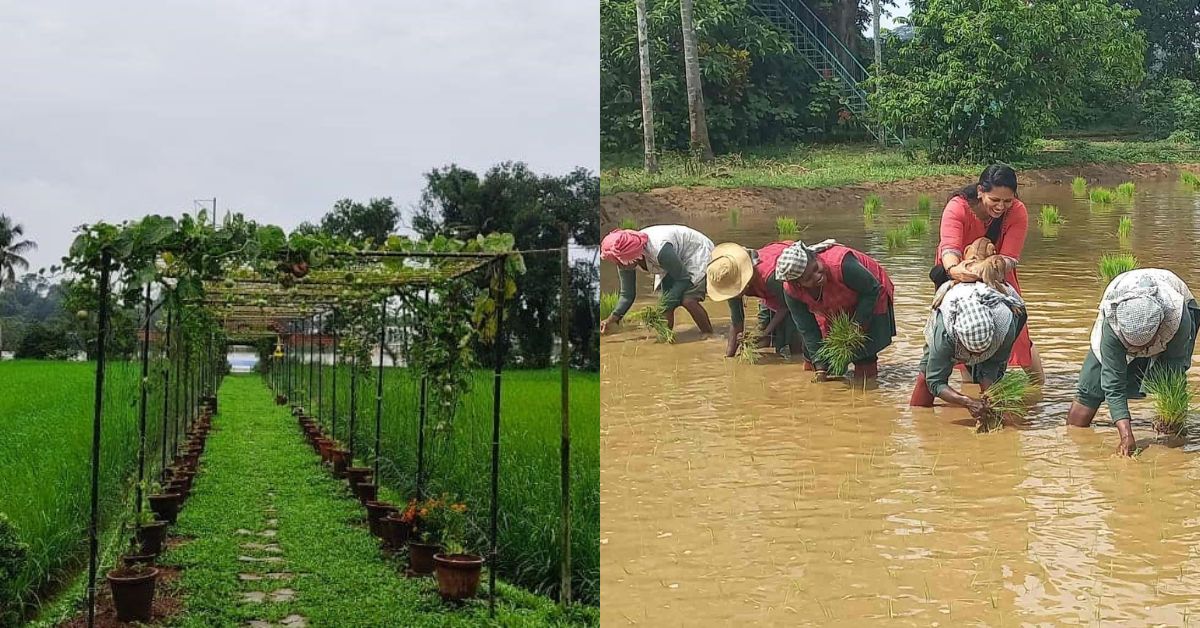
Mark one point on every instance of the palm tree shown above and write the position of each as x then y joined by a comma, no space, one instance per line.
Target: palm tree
695,94
12,247
651,162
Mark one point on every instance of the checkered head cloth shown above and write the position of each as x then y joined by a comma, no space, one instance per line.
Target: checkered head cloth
980,318
794,260
1138,319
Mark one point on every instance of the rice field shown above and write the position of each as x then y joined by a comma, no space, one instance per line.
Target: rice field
458,459
45,445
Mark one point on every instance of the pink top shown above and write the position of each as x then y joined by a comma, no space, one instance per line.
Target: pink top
961,227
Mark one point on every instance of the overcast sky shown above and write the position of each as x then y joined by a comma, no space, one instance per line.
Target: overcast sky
112,110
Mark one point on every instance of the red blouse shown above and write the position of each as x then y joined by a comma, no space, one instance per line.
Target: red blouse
961,227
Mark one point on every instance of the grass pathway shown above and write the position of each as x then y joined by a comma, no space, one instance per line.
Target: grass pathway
277,541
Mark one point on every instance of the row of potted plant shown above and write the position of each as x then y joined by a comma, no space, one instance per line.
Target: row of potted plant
432,530
133,581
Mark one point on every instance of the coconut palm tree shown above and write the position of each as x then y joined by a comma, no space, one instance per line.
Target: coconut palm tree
12,247
651,161
700,145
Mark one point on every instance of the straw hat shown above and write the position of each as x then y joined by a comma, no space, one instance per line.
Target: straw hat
730,270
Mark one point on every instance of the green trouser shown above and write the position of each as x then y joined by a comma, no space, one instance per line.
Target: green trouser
781,340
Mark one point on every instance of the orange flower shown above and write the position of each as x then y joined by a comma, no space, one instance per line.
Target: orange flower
459,507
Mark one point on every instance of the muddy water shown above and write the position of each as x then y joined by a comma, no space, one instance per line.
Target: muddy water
747,495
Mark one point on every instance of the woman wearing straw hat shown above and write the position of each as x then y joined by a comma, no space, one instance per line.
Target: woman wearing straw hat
974,324
735,272
1148,319
675,254
827,279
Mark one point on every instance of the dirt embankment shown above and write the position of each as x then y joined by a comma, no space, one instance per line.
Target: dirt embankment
676,203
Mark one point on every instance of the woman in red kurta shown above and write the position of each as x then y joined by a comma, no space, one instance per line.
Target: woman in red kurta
991,209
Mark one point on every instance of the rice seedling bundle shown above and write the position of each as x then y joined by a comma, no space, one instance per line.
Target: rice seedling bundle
608,303
1050,216
1006,398
628,223
1113,264
1101,196
1190,178
1172,400
1125,191
735,214
872,206
751,335
897,238
786,226
842,344
924,205
1079,187
1125,227
918,227
653,318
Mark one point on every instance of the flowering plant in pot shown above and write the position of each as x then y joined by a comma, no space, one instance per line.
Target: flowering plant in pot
457,569
422,542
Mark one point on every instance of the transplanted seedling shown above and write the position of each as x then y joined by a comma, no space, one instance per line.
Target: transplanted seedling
608,303
1190,178
924,205
872,206
751,335
787,226
1006,398
1102,196
918,226
1125,227
653,318
896,238
1050,216
628,223
1079,187
843,343
1172,400
1125,191
1113,264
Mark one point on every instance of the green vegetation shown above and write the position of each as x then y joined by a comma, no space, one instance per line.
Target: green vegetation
1101,196
1006,397
653,318
786,226
872,205
1113,264
841,345
608,303
924,205
628,223
1190,178
1172,400
896,238
1049,216
1125,227
751,335
918,226
257,460
735,214
1079,187
1125,191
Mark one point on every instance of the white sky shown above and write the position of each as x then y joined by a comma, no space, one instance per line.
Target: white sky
889,21
112,110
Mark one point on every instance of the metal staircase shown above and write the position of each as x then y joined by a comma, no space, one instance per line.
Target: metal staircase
825,53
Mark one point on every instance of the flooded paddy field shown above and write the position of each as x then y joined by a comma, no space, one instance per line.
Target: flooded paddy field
737,494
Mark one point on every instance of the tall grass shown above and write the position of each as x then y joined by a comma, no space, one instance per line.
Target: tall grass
1113,264
786,226
1125,191
1125,227
917,227
1190,178
924,205
896,238
628,223
608,303
872,206
1172,400
458,461
1079,187
1006,397
45,462
1101,196
842,344
1049,216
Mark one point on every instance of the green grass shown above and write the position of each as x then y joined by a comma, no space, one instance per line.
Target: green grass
896,238
459,461
924,205
1006,398
1079,187
1049,216
628,223
608,303
872,205
842,344
1113,264
1125,227
45,446
1101,196
257,458
1125,191
1190,178
1172,400
802,166
786,226
918,226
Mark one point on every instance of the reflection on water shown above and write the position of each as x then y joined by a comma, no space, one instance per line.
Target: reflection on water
737,494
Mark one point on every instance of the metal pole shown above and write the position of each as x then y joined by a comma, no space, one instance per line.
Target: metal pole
564,332
421,420
166,375
379,381
498,349
178,388
309,324
145,384
333,397
320,370
353,408
97,415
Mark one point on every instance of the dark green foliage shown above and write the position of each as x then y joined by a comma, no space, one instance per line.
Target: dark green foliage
1172,106
359,223
42,341
13,554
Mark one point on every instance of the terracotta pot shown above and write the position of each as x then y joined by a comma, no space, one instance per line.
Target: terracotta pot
357,475
376,511
165,506
182,487
457,575
133,592
132,560
396,532
366,492
420,557
280,400
324,447
341,459
150,537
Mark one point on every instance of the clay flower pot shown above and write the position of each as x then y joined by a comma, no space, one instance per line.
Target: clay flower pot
133,560
341,459
366,492
376,511
165,506
457,575
420,557
357,475
133,592
396,532
150,537
325,447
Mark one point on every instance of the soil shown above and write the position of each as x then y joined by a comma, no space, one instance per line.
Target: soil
167,603
707,202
